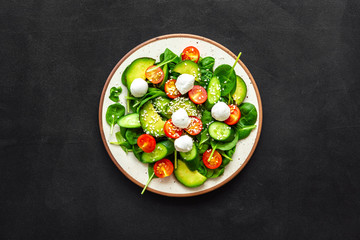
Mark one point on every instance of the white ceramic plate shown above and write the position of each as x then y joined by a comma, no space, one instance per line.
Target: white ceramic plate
137,171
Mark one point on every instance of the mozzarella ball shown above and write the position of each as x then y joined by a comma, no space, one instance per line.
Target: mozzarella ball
139,87
183,144
220,111
184,83
180,118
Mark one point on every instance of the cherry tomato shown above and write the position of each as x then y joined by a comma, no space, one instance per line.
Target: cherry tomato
198,94
154,74
171,90
235,115
163,168
195,126
146,142
171,130
215,160
190,53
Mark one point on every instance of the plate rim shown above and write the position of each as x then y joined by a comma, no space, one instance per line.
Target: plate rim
179,35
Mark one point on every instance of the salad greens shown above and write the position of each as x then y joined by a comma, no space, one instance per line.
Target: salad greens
158,104
113,114
114,93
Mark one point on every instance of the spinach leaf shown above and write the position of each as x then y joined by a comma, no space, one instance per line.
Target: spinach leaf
114,93
113,113
121,141
137,151
231,152
151,176
204,137
151,169
217,172
206,118
202,169
227,78
244,131
151,95
209,173
248,114
167,57
132,135
203,148
207,63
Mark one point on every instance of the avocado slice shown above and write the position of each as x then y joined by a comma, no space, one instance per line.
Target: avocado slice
188,67
185,103
187,177
240,91
151,121
161,106
137,69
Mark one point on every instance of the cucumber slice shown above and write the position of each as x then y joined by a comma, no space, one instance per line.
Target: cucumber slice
191,158
213,92
221,131
187,177
188,67
240,91
191,155
130,121
162,150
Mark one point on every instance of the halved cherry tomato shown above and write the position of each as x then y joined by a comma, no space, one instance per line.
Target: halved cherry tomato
198,94
171,130
163,168
171,90
190,53
215,160
154,74
235,115
146,142
195,126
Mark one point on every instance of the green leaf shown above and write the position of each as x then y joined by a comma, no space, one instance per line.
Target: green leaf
137,151
167,57
206,118
248,114
227,78
113,113
132,134
204,137
244,131
202,169
114,93
207,63
217,172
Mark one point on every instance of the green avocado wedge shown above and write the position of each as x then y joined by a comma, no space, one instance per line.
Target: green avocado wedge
151,121
240,91
188,67
187,177
137,70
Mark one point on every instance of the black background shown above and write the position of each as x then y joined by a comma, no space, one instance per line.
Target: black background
57,181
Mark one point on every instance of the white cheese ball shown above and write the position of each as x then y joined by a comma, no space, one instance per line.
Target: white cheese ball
183,144
184,83
220,111
180,118
139,87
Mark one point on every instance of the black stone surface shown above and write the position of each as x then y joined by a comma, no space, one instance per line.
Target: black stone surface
57,181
